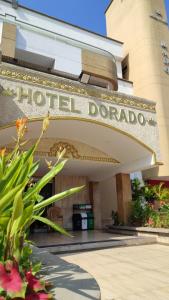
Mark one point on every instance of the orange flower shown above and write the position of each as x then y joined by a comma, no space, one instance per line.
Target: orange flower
2,151
20,123
21,127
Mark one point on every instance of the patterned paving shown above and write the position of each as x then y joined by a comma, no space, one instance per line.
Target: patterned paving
129,273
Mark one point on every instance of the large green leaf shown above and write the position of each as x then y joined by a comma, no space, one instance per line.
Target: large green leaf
52,225
26,217
44,180
34,168
4,222
2,164
11,175
17,213
57,197
8,198
25,172
30,152
17,206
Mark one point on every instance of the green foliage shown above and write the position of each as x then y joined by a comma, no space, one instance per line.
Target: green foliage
144,211
161,193
136,189
159,219
21,206
20,201
140,212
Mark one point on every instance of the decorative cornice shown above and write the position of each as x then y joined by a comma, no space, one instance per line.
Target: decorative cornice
70,152
74,88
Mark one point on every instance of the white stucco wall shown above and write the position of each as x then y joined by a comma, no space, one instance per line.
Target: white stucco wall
58,44
119,68
67,58
25,17
125,87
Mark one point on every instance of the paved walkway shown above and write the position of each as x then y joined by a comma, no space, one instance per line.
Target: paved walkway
130,273
54,238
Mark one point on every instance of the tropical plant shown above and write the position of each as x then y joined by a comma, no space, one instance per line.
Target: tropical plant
20,205
140,212
136,189
161,193
148,193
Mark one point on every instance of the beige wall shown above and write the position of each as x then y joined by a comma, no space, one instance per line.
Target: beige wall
108,199
130,22
63,183
8,41
100,66
107,196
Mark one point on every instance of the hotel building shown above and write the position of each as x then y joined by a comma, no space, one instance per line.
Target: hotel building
106,96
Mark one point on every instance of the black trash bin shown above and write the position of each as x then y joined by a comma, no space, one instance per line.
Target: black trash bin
77,222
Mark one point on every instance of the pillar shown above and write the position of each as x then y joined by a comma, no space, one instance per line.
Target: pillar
124,197
95,200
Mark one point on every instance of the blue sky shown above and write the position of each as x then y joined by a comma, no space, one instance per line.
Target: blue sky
88,14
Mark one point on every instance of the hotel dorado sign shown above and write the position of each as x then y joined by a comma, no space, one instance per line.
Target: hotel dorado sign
32,95
57,103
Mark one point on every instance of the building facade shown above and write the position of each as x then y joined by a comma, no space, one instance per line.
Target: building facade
144,31
107,130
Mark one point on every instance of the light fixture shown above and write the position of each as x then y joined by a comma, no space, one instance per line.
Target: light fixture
85,78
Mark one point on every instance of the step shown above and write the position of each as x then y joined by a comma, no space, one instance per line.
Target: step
125,230
97,245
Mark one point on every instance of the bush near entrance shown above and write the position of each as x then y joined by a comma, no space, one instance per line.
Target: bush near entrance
150,205
20,205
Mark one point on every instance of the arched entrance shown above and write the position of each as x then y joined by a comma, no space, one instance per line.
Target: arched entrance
99,156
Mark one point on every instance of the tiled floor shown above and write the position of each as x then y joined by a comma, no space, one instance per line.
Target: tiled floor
130,273
45,239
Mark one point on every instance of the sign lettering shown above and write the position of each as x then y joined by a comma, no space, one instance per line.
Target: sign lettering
68,104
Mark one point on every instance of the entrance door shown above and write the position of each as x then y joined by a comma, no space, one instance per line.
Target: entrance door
46,192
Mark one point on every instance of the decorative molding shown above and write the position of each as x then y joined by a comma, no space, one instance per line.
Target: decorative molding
76,88
70,152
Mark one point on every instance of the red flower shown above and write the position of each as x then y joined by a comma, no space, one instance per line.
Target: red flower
2,298
34,283
150,221
10,279
38,296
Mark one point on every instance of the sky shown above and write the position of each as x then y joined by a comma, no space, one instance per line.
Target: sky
88,14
